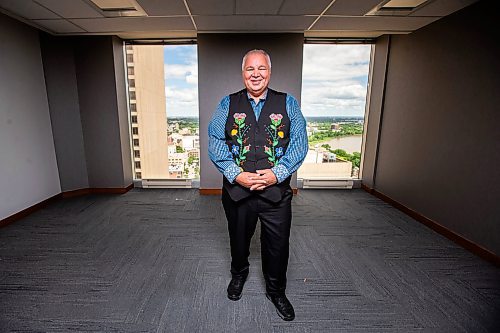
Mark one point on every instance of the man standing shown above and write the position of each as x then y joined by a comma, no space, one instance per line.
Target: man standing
257,139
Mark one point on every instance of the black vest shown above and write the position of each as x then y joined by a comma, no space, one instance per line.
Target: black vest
257,144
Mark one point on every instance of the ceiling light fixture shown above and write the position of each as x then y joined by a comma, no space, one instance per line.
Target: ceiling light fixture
397,7
116,8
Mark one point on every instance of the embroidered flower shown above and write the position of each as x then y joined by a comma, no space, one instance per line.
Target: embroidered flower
239,131
276,118
239,118
275,134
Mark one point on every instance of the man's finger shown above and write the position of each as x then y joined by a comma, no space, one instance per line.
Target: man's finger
257,187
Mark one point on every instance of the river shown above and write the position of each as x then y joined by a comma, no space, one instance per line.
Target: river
350,143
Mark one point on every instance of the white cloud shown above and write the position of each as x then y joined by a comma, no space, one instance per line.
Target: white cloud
182,94
181,101
187,72
331,76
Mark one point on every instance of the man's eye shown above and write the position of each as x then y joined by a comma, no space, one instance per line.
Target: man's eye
262,68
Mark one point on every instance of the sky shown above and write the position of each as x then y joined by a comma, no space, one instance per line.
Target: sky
334,79
181,80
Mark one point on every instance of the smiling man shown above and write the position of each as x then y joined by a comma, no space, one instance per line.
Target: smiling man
257,139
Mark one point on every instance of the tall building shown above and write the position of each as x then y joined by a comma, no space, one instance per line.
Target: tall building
145,72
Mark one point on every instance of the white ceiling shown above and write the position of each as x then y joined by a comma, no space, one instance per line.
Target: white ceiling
186,18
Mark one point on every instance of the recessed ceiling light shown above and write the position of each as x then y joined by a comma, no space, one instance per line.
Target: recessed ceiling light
406,4
112,8
397,7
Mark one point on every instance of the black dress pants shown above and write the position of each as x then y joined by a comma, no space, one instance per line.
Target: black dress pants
275,220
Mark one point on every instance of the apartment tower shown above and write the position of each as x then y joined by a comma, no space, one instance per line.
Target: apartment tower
146,77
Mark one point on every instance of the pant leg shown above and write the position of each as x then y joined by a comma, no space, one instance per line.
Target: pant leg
241,221
276,219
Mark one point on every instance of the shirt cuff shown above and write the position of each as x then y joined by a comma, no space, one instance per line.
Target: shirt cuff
281,172
232,172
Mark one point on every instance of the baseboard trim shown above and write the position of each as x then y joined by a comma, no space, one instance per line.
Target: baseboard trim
75,193
440,229
67,194
210,191
218,191
111,190
25,212
84,191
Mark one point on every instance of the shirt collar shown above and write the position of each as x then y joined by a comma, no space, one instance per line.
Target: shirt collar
262,98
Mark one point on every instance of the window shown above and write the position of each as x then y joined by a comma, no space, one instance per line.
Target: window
138,175
181,73
169,112
130,58
334,87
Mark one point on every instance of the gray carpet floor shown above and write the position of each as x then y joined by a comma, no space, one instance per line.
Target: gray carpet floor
158,261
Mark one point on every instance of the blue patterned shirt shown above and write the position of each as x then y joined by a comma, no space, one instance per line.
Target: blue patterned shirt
219,153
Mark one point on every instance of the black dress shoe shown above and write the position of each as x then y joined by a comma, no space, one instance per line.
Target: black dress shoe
283,306
235,288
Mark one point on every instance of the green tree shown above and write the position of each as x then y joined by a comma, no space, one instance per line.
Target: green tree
340,152
178,149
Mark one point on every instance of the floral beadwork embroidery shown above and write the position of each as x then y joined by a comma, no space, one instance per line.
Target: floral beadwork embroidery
240,130
275,134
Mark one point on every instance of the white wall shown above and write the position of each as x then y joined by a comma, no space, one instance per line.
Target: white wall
28,167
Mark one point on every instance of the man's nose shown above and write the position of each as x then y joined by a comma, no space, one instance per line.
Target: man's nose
255,73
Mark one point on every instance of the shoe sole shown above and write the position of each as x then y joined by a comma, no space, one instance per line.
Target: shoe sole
235,298
279,313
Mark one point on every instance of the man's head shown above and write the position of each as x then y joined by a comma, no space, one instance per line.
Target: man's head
256,72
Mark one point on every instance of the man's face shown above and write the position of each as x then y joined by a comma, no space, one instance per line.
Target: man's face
256,74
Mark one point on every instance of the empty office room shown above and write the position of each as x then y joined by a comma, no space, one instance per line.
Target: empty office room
249,166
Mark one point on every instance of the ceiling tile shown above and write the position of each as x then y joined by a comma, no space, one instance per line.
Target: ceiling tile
59,26
116,24
70,9
211,7
27,9
442,7
392,23
253,23
163,7
255,7
301,7
354,8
